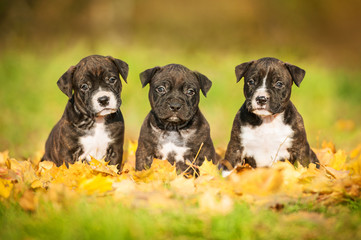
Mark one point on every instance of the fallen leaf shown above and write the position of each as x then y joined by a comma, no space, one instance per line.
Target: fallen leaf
5,188
96,184
28,201
339,159
329,145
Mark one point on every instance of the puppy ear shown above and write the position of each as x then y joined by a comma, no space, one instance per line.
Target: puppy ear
147,75
205,83
65,82
122,66
242,69
297,73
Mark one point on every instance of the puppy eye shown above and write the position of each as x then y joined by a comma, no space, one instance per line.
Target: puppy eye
112,80
160,90
279,84
190,92
251,82
84,87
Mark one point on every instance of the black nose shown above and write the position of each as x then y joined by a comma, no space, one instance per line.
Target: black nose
103,101
175,106
261,100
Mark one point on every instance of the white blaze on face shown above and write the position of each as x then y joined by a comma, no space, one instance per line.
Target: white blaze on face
103,110
261,110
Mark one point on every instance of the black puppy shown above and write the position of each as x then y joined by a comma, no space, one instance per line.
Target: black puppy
92,123
175,128
268,128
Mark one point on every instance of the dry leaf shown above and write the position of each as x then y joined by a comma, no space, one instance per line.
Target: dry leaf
96,184
338,179
28,201
6,187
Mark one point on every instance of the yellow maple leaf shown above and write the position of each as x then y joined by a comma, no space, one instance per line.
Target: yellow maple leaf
210,169
96,184
72,176
44,166
339,160
37,184
354,166
5,187
160,170
101,166
259,181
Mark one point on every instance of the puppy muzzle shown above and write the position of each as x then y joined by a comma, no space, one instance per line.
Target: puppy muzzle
104,103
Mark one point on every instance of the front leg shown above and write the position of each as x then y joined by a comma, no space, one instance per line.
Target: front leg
234,149
143,157
114,155
234,153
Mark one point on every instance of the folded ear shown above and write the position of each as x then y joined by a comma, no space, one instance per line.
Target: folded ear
65,82
242,69
297,73
205,83
122,66
147,75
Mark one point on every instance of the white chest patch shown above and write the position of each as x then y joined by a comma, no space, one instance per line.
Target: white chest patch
268,142
95,143
174,144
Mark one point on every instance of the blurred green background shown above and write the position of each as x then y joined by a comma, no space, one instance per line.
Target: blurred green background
40,40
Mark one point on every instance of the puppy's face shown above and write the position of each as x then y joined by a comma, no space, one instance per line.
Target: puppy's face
267,84
174,92
96,84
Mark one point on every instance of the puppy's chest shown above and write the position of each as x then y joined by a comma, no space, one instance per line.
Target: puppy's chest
95,142
268,142
173,145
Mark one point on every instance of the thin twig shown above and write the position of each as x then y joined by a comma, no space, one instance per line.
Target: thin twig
279,148
195,158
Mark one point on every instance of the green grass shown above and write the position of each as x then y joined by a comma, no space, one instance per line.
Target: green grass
31,103
111,220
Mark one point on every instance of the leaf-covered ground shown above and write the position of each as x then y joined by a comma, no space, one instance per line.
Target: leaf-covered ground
89,201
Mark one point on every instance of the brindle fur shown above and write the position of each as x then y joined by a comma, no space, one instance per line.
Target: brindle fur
62,145
177,79
279,102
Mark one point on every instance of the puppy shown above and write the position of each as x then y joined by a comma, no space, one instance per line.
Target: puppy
175,129
268,128
92,123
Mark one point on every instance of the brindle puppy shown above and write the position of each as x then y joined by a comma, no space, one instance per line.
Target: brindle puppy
268,127
92,123
175,129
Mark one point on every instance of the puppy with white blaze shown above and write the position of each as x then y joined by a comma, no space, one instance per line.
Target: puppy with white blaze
92,124
268,127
